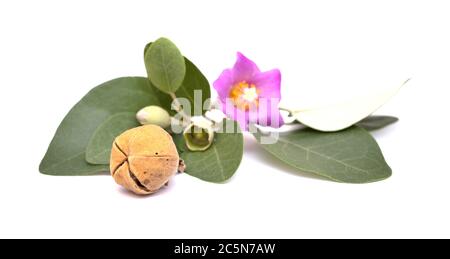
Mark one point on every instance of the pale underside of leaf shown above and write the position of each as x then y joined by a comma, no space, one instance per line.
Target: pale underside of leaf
371,123
344,114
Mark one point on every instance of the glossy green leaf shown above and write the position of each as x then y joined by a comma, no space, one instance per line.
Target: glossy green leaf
350,156
66,153
165,65
376,122
193,81
98,150
219,162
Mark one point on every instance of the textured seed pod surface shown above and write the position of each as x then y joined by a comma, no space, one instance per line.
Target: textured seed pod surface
143,159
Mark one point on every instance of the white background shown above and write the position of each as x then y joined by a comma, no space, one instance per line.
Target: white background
53,52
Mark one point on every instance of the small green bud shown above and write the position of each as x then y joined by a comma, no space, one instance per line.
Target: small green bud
199,135
154,115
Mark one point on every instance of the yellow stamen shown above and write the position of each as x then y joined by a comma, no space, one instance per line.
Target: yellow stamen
244,95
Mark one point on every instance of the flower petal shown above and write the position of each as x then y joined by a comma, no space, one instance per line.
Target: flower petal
224,83
268,113
228,108
244,69
268,83
274,120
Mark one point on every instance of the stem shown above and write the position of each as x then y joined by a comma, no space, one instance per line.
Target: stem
182,122
290,117
178,108
286,110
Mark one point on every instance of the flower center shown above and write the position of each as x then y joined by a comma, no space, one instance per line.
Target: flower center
244,95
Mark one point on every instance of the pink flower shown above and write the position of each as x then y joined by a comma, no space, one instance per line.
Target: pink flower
248,95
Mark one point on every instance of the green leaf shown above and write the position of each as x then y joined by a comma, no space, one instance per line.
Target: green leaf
98,150
193,80
66,153
180,143
146,48
165,65
219,162
350,156
376,122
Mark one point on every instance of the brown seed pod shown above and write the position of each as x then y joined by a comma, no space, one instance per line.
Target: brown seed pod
143,159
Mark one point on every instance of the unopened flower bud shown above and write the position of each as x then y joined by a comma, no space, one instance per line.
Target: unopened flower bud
154,115
199,135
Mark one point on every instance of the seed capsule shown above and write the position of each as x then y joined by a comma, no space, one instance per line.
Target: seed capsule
143,159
